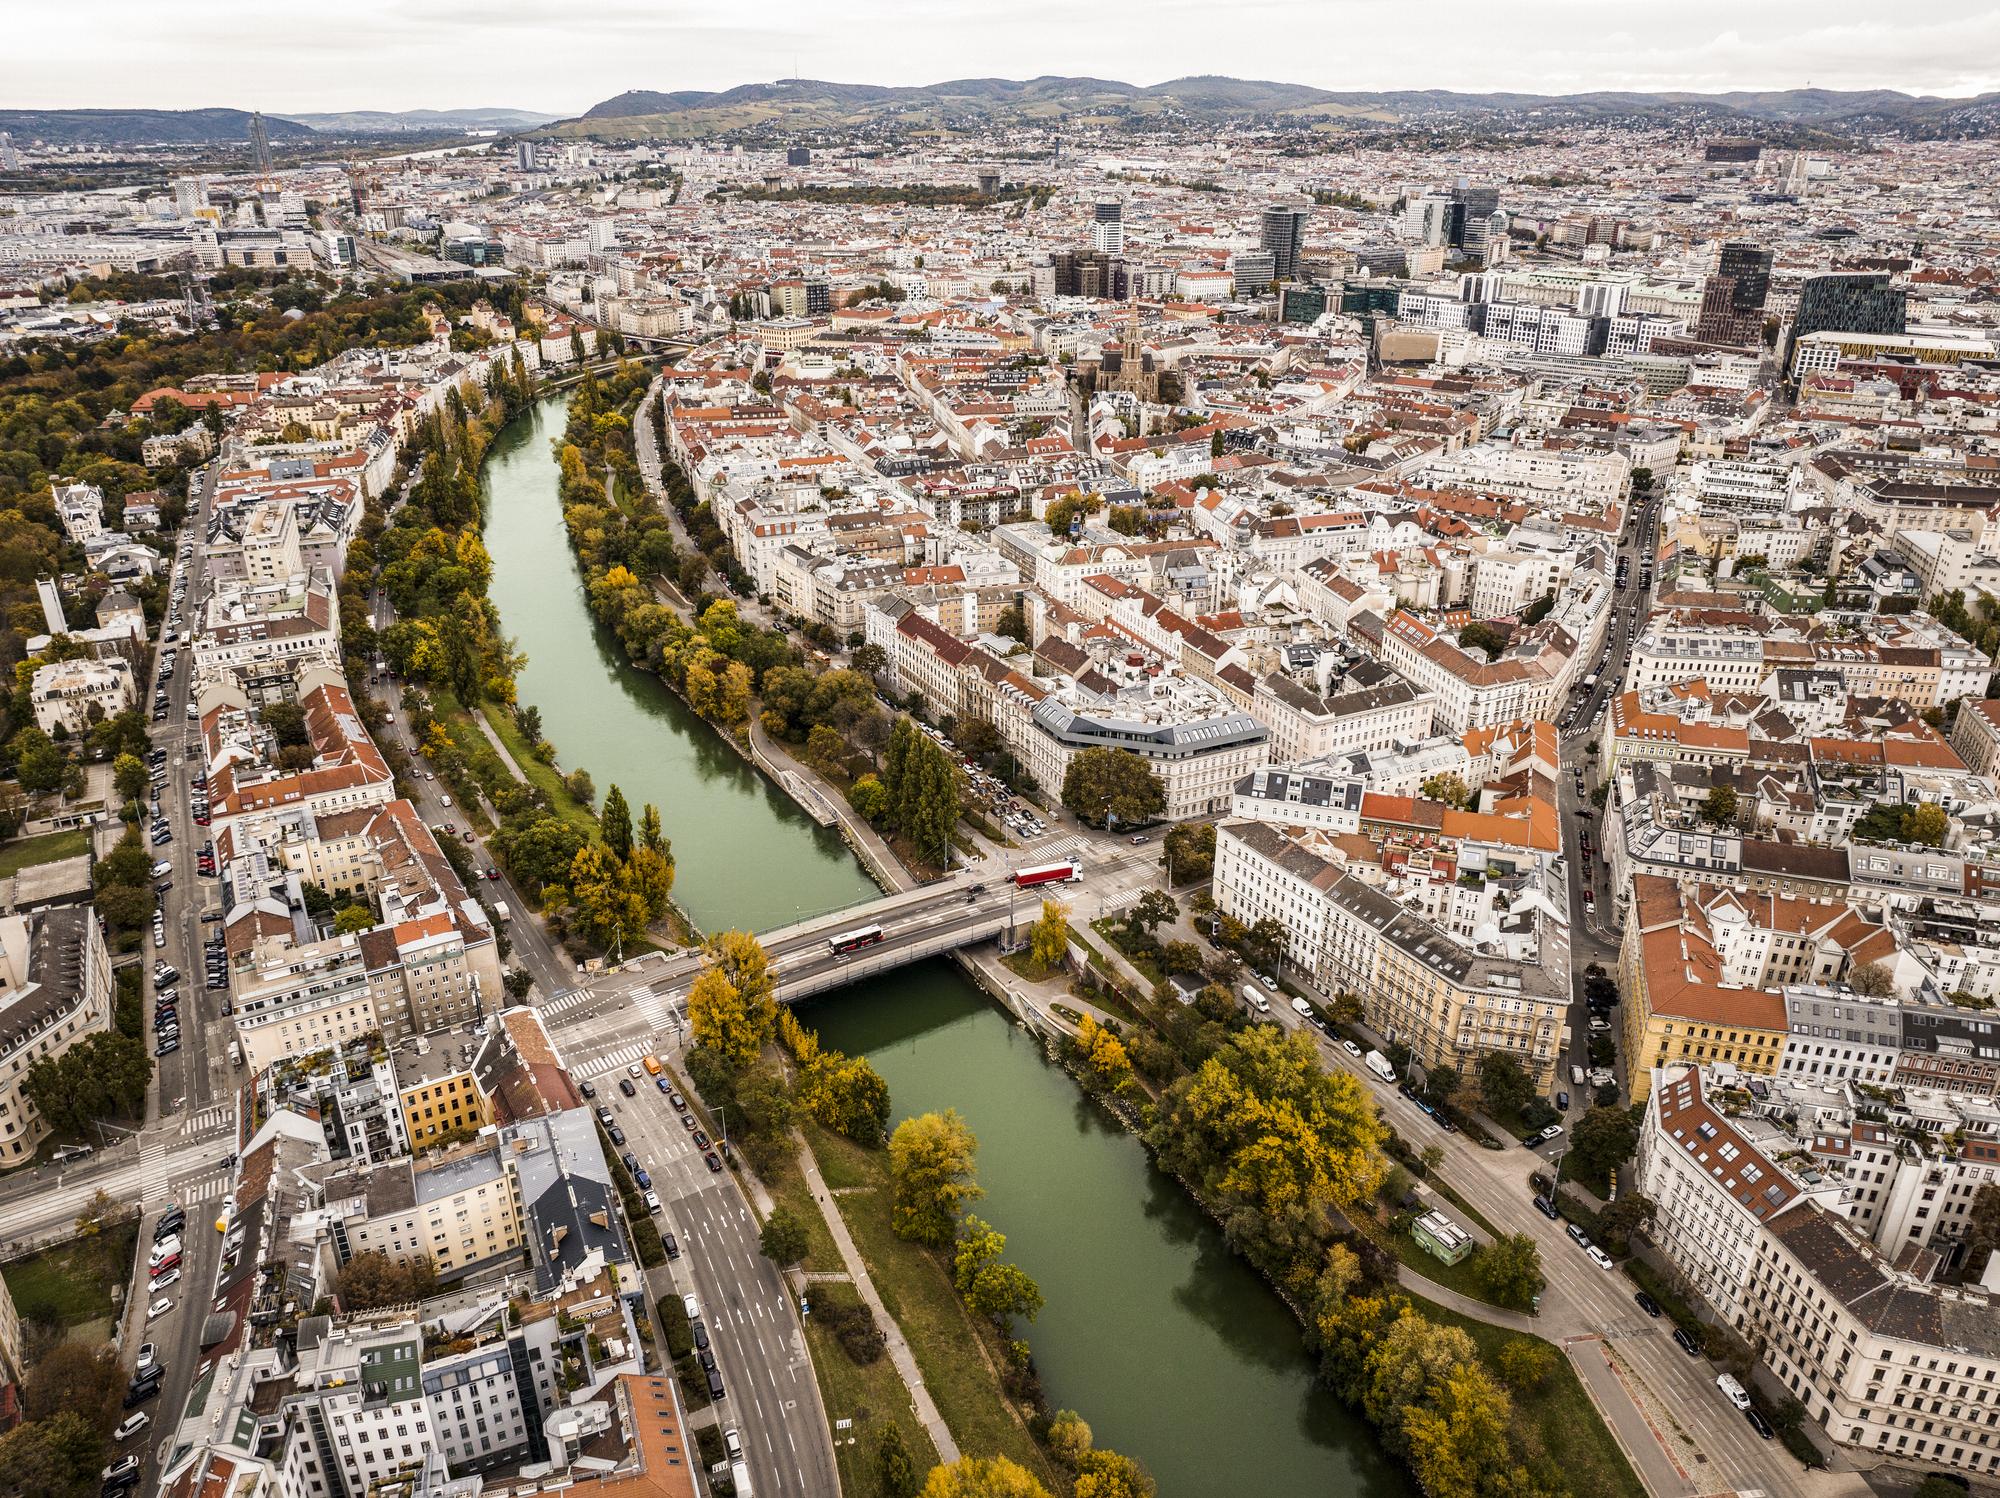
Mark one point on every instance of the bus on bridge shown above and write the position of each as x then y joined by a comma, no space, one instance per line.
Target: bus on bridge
855,940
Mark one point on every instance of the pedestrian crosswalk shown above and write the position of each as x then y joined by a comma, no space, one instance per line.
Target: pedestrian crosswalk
612,1061
203,1188
1063,847
569,998
209,1119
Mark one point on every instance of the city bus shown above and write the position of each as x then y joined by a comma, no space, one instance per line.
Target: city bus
1068,871
855,940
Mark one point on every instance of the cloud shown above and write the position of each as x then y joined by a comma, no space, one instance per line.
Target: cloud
394,54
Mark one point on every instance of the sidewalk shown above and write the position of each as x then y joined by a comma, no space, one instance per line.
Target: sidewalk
899,1349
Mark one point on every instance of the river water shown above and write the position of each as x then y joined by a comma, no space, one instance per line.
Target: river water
1164,1341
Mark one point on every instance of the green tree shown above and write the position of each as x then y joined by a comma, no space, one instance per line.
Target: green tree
104,1075
1509,1269
1448,788
1604,1139
350,920
650,835
129,777
1066,509
895,1469
931,1169
1106,786
39,763
1504,1083
615,820
1154,908
76,1376
1526,1363
1479,635
1718,807
1189,852
991,1287
1013,623
59,1457
783,1239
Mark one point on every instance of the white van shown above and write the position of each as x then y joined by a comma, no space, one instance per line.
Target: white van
446,800
235,1053
1254,997
1732,1390
740,1476
1302,1008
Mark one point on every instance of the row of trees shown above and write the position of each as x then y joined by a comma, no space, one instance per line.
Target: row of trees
613,889
919,792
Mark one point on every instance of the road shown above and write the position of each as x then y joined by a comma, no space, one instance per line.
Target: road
770,1395
197,1073
1592,902
532,950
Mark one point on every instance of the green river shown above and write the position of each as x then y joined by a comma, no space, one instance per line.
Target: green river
1164,1341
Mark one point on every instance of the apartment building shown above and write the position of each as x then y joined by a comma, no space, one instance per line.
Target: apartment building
1525,683
1369,709
461,1209
1712,1186
55,989
72,697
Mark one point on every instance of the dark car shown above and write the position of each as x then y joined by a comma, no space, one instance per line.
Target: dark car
713,1163
644,1178
586,1089
687,1121
663,1084
700,1140
1546,1207
1647,1304
1686,1343
707,1357
617,1134
625,1086
700,1334
631,1161
1758,1423
672,1246
138,1394
676,1099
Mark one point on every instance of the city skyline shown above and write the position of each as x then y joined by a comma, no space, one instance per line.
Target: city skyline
406,54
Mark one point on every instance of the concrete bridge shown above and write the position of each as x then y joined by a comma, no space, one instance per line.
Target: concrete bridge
927,921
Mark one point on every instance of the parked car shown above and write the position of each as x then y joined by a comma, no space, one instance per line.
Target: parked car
625,1086
713,1163
1758,1423
131,1426
171,1277
1686,1343
149,1354
1647,1304
159,1308
692,1307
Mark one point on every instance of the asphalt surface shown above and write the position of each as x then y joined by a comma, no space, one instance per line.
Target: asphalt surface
769,1394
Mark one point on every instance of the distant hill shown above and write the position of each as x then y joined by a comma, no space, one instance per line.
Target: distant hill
126,127
423,121
807,103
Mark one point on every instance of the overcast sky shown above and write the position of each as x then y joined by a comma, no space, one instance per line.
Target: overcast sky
564,55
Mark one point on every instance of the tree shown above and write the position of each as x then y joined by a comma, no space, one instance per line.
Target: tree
1603,1140
54,1458
982,1477
615,820
76,1376
287,722
1102,1052
1012,623
582,789
1872,980
1718,807
895,1469
1106,786
1526,1363
783,1239
1509,1269
1155,907
1448,788
868,798
1049,937
129,777
991,1288
1068,508
350,920
39,762
102,1076
870,659
1189,852
1413,1356
1479,635
1926,823
931,1170
1503,1083
372,1280
1458,1439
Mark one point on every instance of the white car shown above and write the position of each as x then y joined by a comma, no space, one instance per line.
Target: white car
692,1307
124,1466
653,1202
1351,1048
148,1355
1599,1257
172,1276
1551,1132
132,1426
159,1308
